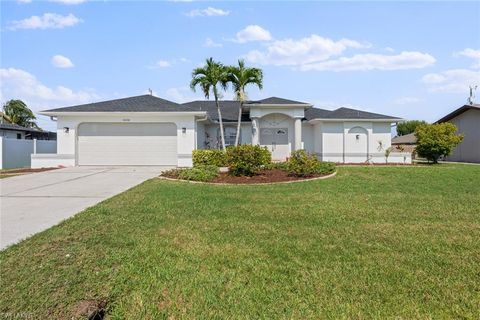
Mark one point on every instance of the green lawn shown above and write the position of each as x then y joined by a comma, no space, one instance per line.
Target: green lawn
376,242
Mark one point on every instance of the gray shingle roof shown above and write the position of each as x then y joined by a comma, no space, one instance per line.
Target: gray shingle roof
144,103
406,139
344,113
13,126
229,109
458,112
276,100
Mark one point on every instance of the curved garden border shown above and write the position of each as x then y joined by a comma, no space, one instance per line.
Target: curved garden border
331,175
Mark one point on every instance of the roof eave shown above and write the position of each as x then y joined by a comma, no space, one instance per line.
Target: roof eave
356,120
282,105
456,113
107,113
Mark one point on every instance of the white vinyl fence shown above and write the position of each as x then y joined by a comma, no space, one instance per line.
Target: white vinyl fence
16,153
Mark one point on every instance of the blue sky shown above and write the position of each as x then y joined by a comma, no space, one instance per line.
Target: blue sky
409,59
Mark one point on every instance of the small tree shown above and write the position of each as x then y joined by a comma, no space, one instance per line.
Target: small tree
436,140
387,154
241,76
210,78
407,127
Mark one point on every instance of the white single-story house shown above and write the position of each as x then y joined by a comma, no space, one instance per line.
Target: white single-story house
147,130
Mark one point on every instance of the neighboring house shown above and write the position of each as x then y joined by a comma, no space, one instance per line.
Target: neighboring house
467,120
14,131
405,143
146,130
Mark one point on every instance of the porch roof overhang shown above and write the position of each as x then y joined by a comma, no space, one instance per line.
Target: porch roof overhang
390,120
278,106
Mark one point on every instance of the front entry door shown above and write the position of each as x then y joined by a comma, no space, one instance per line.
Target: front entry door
276,140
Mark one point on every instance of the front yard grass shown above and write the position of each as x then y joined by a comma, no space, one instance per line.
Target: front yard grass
381,242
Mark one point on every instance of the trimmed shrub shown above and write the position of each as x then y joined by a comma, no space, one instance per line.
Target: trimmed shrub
436,140
277,165
302,164
199,173
246,159
209,157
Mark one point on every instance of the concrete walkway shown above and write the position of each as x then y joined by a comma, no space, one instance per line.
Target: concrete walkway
34,202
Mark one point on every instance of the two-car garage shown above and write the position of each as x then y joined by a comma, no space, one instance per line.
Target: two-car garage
101,143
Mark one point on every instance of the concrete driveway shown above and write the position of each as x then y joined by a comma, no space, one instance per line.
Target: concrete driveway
34,202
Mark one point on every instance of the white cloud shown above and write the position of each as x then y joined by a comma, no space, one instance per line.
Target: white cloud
252,33
68,2
160,64
452,81
298,52
24,1
389,49
473,54
208,12
20,84
183,94
209,43
60,61
47,21
407,100
369,61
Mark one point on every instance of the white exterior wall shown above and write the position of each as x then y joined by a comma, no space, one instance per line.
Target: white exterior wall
317,139
338,142
381,140
67,142
52,160
200,135
308,140
332,141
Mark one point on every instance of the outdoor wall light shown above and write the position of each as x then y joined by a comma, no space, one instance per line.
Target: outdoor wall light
184,130
357,137
66,129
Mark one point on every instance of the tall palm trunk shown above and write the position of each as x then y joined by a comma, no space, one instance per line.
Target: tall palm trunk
219,118
239,120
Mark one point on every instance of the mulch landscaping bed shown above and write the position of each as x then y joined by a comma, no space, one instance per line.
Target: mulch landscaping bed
24,170
264,176
376,164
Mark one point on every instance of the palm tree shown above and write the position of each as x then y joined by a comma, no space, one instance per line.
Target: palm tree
209,78
240,77
18,112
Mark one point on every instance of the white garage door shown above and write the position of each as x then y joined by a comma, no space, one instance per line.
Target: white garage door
127,144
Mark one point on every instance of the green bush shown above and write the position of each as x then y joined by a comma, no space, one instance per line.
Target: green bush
199,173
277,165
302,164
246,159
209,157
436,140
